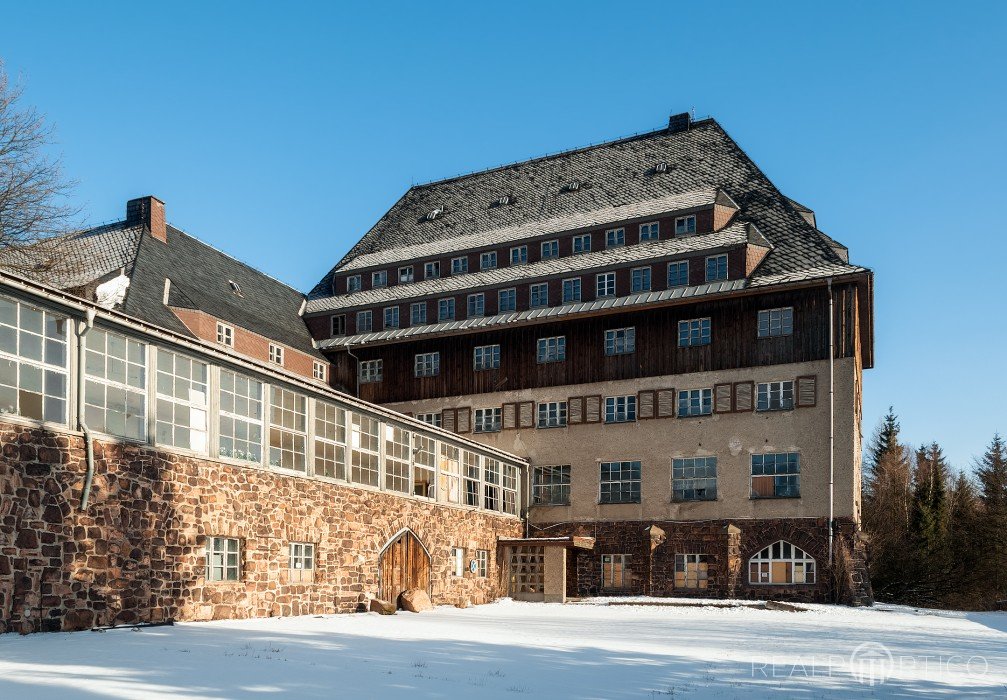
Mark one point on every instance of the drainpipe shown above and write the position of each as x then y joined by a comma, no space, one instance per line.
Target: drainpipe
832,418
82,328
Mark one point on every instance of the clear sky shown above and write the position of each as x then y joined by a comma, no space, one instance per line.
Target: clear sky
281,132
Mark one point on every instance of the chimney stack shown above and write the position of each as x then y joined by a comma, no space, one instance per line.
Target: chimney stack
679,122
148,212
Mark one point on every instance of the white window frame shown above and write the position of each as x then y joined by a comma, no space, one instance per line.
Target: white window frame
615,237
49,358
460,265
620,409
685,225
519,255
637,273
482,563
775,396
551,349
457,560
510,292
365,449
370,371
427,364
379,279
432,270
223,548
605,285
476,305
551,414
329,448
761,571
233,415
608,580
699,402
487,420
302,562
695,332
549,250
581,244
197,404
390,317
353,284
334,321
288,438
225,335
650,231
318,370
485,357
620,341
276,354
431,418
488,260
442,306
720,260
776,323
406,274
694,569
538,295
575,284
107,385
418,306
677,265
365,327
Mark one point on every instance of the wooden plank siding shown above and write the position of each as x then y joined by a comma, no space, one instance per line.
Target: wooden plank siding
735,344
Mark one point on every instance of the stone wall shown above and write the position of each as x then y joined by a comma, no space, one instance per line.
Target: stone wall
138,553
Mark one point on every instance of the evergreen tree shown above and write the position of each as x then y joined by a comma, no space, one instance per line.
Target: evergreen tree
968,587
991,472
885,442
929,526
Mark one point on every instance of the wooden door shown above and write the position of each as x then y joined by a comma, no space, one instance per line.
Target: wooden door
404,564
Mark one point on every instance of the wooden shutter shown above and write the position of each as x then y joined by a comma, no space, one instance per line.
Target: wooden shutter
665,403
807,391
464,419
592,409
448,419
575,410
526,414
509,416
744,393
645,404
723,398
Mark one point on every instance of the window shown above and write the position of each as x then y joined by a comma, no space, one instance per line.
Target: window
235,288
539,295
330,440
506,300
775,396
457,561
552,349
423,462
486,357
482,562
615,571
491,484
620,341
418,313
391,315
181,402
427,364
620,409
605,285
519,255
781,563
450,468
371,371
716,268
471,474
615,237
276,354
582,243
776,322
650,231
693,332
509,489
446,309
287,429
620,482
431,270
550,486
477,305
338,327
691,571
318,370
678,274
302,562
685,225
487,420
240,417
406,274
488,260
550,249
365,321
776,475
363,449
552,414
640,279
433,419
695,402
225,333
459,265
223,559
694,479
353,283
379,278
398,455
33,362
571,290
115,391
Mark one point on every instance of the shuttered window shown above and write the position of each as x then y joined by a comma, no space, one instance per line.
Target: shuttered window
464,420
509,416
723,397
744,396
807,391
665,403
775,396
592,409
526,414
646,404
575,410
695,402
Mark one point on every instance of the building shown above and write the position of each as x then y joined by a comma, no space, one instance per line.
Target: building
669,340
172,450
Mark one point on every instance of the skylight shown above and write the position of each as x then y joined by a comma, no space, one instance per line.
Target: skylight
235,288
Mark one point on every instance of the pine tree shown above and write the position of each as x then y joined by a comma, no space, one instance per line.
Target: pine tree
991,472
968,589
929,527
885,442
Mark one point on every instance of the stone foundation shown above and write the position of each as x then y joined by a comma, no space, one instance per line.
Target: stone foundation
138,554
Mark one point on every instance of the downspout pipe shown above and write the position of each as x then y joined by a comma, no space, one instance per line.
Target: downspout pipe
82,328
832,422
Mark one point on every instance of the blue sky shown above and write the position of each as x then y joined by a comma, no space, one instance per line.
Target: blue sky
281,133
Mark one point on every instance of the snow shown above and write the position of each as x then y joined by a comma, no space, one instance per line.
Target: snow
512,650
111,293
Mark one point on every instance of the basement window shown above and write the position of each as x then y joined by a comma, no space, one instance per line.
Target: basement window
302,562
691,571
457,561
223,559
781,563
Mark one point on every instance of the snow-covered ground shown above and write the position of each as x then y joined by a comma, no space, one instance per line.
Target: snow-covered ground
513,650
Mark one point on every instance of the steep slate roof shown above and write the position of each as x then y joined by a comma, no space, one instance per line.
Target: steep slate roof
611,175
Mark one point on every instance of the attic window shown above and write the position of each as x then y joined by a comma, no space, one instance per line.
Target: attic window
572,186
501,201
235,288
434,213
661,167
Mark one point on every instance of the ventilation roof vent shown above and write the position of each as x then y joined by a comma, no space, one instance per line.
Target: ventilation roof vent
501,201
661,167
434,213
572,186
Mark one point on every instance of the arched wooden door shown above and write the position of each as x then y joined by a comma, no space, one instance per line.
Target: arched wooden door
403,564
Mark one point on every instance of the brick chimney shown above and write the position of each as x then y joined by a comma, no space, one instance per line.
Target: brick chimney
149,213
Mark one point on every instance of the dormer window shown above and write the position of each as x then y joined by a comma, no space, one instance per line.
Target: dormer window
582,243
379,278
572,186
661,166
353,283
684,225
550,249
615,237
276,354
716,268
434,213
519,255
431,270
459,265
225,334
488,260
650,231
501,201
405,274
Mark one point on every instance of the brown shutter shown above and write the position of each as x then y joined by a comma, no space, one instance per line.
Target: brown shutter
464,420
723,398
665,403
526,414
592,409
743,396
575,410
509,416
807,391
448,419
645,404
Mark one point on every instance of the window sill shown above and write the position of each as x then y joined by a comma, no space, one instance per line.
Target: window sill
696,415
773,498
694,500
618,422
618,503
549,427
774,410
565,504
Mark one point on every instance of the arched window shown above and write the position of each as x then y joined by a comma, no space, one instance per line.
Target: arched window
781,563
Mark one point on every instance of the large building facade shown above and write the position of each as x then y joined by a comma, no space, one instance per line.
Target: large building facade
672,344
